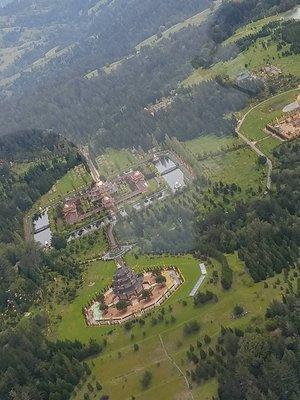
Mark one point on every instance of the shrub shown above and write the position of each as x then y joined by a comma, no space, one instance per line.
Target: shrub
191,327
146,379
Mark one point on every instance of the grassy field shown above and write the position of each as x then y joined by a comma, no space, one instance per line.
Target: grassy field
74,180
120,368
239,167
115,161
266,112
259,54
210,143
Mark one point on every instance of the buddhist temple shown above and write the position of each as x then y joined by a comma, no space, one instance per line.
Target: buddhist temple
70,213
108,202
126,283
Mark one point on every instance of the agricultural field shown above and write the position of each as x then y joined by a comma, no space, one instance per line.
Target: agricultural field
119,369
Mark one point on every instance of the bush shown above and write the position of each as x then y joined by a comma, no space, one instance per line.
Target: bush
121,305
191,327
238,311
202,298
146,379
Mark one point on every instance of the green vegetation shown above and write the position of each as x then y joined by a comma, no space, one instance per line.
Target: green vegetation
76,179
112,162
265,112
238,167
120,369
258,53
211,143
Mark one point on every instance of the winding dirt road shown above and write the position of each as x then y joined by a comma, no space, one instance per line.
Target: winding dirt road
252,144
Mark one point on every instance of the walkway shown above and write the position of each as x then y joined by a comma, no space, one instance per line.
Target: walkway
200,280
93,170
176,366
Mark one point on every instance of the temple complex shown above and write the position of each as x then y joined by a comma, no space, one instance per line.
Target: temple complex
105,196
287,128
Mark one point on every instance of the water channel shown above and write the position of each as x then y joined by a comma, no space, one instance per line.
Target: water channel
175,177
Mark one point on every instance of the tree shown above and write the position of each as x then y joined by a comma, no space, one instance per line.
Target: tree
146,379
238,311
207,339
160,279
58,242
135,347
121,305
146,294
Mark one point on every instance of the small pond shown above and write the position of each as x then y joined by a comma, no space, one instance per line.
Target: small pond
175,177
45,234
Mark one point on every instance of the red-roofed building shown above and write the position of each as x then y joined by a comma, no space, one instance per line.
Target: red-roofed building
70,213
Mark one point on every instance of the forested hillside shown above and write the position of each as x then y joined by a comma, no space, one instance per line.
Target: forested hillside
107,108
82,34
260,364
31,366
265,232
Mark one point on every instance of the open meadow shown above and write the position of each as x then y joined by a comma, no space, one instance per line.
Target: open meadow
120,368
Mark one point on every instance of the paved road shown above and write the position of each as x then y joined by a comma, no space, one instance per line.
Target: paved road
252,144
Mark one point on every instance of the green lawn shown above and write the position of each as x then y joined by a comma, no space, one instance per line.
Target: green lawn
210,143
267,145
112,162
266,112
239,167
119,368
74,180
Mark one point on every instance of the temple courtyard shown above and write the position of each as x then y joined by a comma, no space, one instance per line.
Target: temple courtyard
132,295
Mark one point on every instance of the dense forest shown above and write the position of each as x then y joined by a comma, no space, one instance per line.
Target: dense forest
231,15
258,364
109,110
32,367
23,265
265,232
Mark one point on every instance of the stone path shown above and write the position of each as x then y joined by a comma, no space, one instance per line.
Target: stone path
200,280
